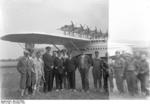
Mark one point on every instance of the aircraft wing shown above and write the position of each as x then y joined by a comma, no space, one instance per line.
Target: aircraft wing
38,38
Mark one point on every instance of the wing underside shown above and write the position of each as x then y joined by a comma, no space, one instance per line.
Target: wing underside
37,38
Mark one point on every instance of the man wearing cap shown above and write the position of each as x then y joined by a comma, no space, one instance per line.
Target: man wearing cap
97,71
130,74
48,70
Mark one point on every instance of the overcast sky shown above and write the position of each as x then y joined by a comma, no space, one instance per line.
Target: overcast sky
128,19
48,15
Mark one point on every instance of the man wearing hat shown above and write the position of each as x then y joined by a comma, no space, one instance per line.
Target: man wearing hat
22,67
48,70
59,69
31,78
130,74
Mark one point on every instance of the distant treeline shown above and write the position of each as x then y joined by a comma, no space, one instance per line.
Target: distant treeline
5,60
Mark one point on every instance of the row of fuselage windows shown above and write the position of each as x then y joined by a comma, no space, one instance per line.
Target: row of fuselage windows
98,41
89,49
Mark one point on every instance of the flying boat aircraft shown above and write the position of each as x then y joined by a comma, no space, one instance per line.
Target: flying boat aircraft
75,44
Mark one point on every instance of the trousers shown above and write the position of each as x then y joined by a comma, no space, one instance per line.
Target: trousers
84,72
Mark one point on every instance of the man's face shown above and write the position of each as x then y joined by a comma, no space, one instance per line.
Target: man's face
31,54
26,54
137,54
123,52
48,50
82,53
38,55
69,55
63,52
117,54
54,53
143,57
96,54
59,54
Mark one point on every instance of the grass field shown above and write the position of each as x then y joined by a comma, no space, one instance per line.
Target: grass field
10,85
8,64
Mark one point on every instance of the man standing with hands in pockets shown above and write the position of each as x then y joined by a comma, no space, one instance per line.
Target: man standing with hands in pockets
48,70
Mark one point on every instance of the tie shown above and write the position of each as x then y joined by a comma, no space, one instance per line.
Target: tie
82,61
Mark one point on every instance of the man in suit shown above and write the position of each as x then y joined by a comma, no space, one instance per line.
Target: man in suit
22,67
105,71
84,66
70,66
54,55
59,69
64,56
31,72
48,70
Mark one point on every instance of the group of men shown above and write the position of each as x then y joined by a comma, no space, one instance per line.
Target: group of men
132,68
37,69
60,67
31,71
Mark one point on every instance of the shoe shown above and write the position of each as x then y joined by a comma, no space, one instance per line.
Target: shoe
49,90
38,92
22,94
132,94
74,90
101,90
82,90
26,93
33,93
147,94
57,90
111,90
88,91
94,89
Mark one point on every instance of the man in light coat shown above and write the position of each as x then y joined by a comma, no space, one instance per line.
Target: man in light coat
84,66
